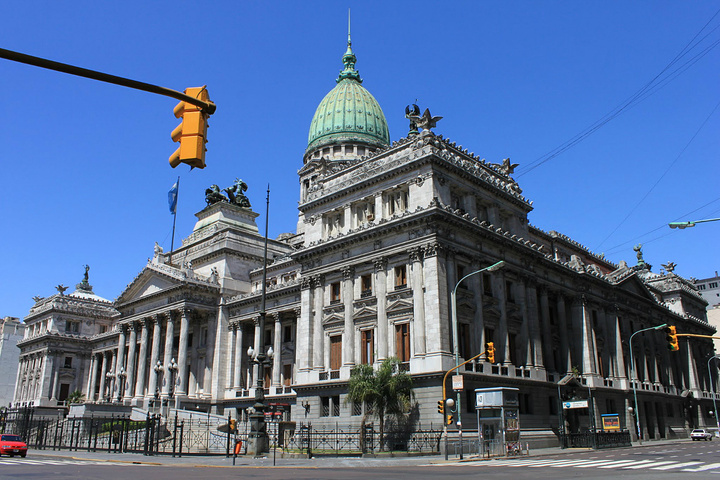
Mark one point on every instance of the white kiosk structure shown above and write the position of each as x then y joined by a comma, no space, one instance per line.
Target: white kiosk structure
498,420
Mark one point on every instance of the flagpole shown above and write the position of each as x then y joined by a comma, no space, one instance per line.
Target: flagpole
172,241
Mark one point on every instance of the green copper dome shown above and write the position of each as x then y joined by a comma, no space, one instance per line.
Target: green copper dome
348,113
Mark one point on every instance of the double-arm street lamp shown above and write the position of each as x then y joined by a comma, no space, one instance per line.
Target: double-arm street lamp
454,321
634,373
172,368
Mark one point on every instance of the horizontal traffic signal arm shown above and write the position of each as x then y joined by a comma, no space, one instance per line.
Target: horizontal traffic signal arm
207,107
695,335
455,368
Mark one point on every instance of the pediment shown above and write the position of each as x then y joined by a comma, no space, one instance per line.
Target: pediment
635,286
365,311
400,306
147,283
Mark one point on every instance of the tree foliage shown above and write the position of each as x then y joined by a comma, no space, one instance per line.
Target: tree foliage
386,390
76,397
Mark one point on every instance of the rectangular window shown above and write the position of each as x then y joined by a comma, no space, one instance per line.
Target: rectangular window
335,405
324,406
268,337
335,352
287,334
364,213
366,285
287,374
464,341
701,287
509,291
402,341
72,327
334,293
356,409
487,285
713,285
68,362
368,347
400,277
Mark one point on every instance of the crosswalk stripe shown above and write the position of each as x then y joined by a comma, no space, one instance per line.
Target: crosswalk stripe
597,463
622,463
677,465
647,465
709,466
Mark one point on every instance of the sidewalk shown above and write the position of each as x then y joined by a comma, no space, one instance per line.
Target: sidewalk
315,462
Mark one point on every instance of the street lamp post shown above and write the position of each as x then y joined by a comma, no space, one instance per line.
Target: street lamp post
158,367
454,321
712,389
634,372
172,368
683,225
109,376
121,377
258,442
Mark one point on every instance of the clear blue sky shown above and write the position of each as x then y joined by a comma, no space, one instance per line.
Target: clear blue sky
84,164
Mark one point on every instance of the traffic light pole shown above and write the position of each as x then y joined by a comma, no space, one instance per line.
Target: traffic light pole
207,107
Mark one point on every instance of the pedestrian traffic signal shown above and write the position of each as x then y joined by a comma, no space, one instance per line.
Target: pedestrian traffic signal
672,339
192,131
441,407
490,352
449,419
233,425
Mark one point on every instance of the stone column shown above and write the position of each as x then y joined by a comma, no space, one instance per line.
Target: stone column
318,331
154,356
130,380
564,344
230,359
277,338
56,377
534,324
304,334
237,371
502,354
120,358
381,296
142,360
348,344
91,376
437,332
545,327
183,352
103,371
589,354
418,302
167,357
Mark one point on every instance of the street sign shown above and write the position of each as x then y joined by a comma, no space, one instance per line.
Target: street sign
457,382
575,404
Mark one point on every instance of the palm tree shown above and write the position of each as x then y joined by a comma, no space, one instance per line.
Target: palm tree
76,397
387,391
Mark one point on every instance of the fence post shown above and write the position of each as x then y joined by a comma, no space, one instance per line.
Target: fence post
182,427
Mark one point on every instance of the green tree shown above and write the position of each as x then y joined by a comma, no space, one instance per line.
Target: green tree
76,397
386,391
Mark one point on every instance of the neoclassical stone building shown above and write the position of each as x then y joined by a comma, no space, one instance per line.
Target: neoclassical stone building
385,231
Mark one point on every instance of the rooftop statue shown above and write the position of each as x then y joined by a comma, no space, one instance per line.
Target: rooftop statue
236,194
412,112
213,195
426,121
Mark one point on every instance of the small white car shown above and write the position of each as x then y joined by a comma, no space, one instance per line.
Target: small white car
701,434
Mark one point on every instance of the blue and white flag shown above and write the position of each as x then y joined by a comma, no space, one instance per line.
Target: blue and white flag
172,197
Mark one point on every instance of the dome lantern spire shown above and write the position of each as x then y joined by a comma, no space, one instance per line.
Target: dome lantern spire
349,60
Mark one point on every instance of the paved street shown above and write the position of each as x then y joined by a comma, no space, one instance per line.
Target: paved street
678,459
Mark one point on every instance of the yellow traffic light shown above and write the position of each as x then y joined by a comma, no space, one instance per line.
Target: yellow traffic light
233,425
449,419
490,352
672,339
192,131
441,407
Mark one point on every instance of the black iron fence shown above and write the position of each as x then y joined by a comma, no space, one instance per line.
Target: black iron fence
596,439
119,434
207,435
354,440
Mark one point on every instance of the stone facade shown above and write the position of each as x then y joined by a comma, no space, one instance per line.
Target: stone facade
11,331
383,238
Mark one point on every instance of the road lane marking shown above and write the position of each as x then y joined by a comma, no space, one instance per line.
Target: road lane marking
709,466
677,465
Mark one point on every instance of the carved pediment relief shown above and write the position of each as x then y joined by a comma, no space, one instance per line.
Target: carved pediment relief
365,310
